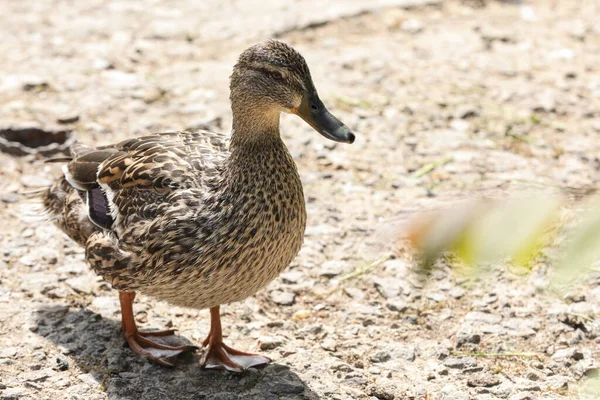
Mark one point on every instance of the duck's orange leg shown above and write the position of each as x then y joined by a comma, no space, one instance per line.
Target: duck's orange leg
140,342
216,354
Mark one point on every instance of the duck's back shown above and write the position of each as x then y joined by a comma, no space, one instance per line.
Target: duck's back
123,184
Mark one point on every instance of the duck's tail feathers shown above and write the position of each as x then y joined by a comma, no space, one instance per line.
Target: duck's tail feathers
33,194
43,204
32,207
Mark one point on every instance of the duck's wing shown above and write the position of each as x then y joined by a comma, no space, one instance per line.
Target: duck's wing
130,180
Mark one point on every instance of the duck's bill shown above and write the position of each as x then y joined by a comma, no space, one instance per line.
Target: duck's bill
314,113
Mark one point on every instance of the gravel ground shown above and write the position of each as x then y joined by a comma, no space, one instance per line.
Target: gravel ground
496,96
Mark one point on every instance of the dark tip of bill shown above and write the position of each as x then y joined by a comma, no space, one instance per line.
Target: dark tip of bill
351,137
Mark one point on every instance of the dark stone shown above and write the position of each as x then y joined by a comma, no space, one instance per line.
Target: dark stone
21,141
62,363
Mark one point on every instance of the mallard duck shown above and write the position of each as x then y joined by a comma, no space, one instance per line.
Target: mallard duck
198,219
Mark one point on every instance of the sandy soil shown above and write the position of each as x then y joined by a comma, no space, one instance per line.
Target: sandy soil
499,96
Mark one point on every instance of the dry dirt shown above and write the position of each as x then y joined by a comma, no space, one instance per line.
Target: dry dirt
497,95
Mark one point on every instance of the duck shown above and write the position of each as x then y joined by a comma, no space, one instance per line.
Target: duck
198,219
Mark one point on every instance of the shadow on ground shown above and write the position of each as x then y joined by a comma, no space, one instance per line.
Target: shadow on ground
96,345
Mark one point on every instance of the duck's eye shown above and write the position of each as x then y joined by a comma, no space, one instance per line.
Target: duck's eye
277,75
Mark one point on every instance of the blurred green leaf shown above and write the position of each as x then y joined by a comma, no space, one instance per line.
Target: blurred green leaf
514,228
582,251
442,230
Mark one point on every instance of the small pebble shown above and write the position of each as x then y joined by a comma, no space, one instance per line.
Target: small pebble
483,380
329,344
283,298
380,356
270,342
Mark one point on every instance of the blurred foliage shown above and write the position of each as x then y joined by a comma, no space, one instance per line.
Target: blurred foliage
526,229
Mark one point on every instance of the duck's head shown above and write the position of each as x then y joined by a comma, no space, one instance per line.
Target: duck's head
271,77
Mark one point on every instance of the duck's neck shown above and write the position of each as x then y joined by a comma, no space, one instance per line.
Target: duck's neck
253,129
256,148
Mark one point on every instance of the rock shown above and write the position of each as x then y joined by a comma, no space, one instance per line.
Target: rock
576,338
282,384
62,363
562,54
477,316
355,378
291,276
441,353
568,353
14,393
341,367
380,356
451,391
101,64
225,396
375,370
331,269
397,267
354,293
527,13
521,327
36,83
38,376
69,118
396,305
578,30
490,34
105,304
369,322
382,391
522,396
311,329
8,352
558,382
545,102
80,284
457,292
460,125
483,379
283,298
54,292
406,353
467,111
88,379
575,297
460,362
122,80
387,287
467,338
302,314
26,139
270,342
116,361
412,26
368,310
329,344
436,296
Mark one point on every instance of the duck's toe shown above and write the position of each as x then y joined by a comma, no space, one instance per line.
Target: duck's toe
220,356
162,347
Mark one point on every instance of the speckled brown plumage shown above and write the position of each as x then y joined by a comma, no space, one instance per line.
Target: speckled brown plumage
196,219
214,233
